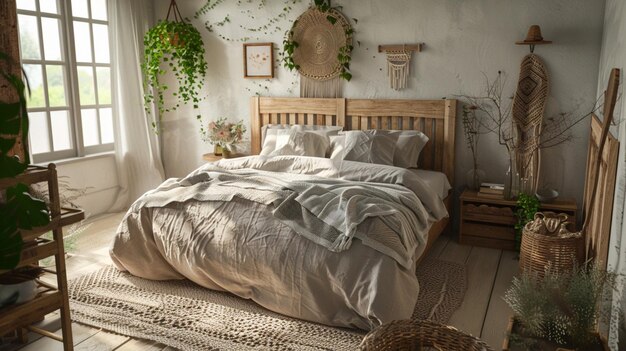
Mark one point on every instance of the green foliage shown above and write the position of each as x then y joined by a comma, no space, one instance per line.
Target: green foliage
19,210
562,308
179,47
527,206
345,52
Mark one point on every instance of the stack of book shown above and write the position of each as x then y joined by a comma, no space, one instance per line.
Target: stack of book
491,190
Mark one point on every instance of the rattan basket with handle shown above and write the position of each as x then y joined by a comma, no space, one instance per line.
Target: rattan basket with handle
416,335
548,241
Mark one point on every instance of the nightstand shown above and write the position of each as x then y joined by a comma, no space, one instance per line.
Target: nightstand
489,222
211,157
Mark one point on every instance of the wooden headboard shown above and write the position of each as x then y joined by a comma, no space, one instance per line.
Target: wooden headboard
435,118
598,231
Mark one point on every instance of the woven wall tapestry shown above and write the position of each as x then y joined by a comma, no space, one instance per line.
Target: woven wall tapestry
319,41
398,68
528,109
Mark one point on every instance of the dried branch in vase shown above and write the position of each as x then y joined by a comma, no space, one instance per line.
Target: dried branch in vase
493,114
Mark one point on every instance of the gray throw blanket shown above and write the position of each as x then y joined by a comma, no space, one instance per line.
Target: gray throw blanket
324,210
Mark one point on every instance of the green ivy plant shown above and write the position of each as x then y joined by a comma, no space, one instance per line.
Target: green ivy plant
18,209
527,206
345,52
178,46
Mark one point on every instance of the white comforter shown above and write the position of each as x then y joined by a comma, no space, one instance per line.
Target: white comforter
215,229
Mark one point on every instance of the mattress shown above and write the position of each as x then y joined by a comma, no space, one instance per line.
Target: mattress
437,181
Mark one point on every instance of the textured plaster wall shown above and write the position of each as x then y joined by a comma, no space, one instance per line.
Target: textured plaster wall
464,40
614,55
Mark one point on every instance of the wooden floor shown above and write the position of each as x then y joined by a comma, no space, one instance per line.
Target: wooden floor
483,312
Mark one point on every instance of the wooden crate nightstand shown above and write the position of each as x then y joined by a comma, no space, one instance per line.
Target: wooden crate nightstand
489,222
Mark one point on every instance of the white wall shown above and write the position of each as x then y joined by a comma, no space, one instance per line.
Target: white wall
614,55
97,175
463,39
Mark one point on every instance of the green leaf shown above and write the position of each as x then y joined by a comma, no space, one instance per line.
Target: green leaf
10,241
29,211
331,19
10,166
10,118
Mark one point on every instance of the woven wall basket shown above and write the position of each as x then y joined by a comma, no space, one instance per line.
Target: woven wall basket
547,241
319,42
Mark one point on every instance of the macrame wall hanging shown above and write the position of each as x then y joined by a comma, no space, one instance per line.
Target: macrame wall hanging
320,41
399,63
529,105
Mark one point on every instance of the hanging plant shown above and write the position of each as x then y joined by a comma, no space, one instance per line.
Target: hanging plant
344,55
177,45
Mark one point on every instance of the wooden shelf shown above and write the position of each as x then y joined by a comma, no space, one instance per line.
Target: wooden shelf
67,217
26,313
49,298
489,222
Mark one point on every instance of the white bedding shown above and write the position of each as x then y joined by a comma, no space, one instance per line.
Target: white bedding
435,180
241,247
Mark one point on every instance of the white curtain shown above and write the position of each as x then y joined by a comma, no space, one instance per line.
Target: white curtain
137,150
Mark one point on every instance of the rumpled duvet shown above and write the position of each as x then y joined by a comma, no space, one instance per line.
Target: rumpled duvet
334,243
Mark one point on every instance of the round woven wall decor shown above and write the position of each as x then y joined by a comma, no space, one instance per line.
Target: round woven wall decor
319,42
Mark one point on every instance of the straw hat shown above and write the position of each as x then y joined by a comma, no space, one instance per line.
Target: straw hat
533,37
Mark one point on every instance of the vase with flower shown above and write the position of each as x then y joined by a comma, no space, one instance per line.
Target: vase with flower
224,136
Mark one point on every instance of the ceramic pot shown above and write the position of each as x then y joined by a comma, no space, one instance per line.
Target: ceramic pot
17,293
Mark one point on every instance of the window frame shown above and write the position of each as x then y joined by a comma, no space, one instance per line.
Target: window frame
70,78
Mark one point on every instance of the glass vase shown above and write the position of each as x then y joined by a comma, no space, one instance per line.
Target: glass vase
473,178
511,182
217,150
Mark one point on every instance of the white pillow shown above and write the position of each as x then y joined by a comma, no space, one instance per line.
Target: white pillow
280,142
328,130
409,145
362,146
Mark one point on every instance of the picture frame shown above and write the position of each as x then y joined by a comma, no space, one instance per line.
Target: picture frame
258,60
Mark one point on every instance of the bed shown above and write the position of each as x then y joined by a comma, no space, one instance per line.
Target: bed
301,235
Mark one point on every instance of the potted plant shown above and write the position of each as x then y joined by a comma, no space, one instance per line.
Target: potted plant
559,311
172,46
20,210
224,136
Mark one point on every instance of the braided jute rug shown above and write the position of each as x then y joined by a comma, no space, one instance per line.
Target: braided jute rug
186,316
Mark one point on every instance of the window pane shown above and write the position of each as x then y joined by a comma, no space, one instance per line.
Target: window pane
29,37
49,6
26,5
101,36
80,8
85,85
35,79
106,125
82,40
104,85
60,130
38,132
99,9
56,85
90,127
51,38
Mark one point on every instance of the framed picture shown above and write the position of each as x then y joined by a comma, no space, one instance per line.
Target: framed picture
258,60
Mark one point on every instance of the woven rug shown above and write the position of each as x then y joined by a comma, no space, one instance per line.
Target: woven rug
186,316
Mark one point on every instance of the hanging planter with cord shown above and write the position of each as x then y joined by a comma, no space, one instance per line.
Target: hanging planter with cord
173,45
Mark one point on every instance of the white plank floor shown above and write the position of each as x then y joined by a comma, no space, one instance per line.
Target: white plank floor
483,313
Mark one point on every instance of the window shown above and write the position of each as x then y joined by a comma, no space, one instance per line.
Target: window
64,47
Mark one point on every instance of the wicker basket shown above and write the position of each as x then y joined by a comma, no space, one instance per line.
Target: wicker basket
547,241
415,335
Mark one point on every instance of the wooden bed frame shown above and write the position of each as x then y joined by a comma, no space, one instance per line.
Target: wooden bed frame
435,118
598,233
